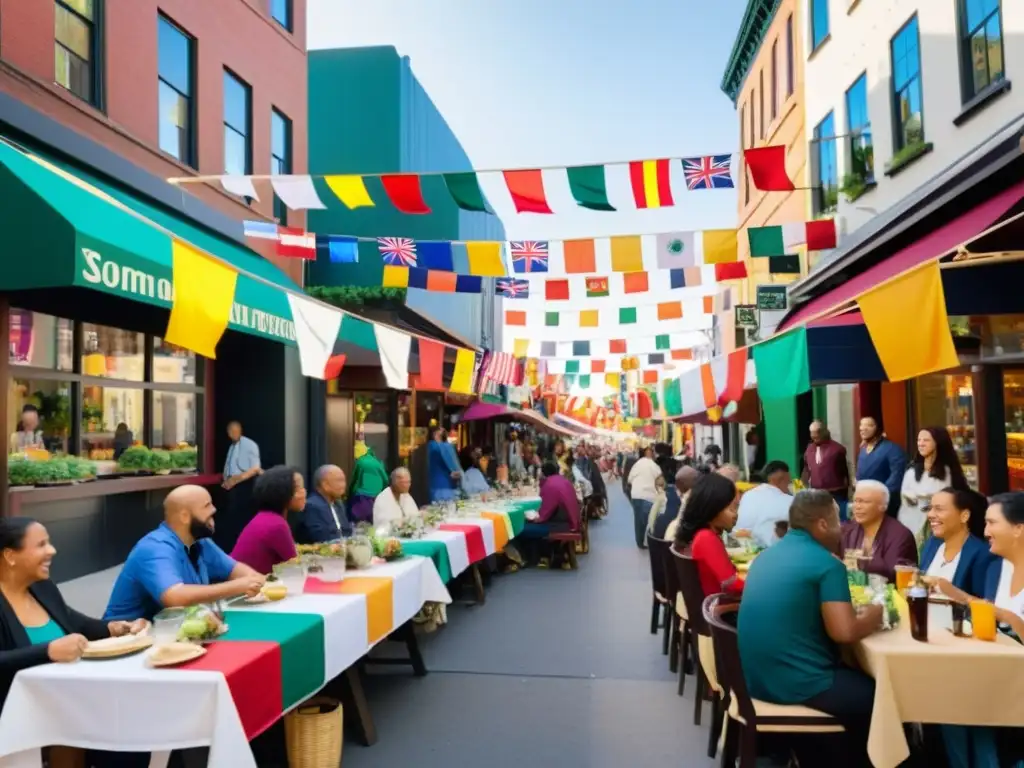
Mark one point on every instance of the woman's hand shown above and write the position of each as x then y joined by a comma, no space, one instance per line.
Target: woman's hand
944,587
121,628
67,649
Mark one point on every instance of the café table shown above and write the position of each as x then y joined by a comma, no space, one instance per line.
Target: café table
948,680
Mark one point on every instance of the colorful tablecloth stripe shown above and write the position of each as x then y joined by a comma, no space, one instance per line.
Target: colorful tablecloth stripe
502,528
474,539
435,550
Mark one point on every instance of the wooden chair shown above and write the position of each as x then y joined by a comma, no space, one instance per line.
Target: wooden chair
569,542
662,603
693,597
746,716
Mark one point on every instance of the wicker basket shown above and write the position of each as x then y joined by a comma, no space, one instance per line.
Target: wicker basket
313,732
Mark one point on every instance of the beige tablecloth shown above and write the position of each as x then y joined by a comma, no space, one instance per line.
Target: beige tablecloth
950,680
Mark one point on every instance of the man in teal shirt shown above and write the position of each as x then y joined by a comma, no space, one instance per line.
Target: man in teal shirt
796,611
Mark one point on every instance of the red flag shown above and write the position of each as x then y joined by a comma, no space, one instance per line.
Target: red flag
597,366
617,346
295,243
767,166
736,377
333,368
736,270
527,190
556,290
821,235
431,364
650,377
403,190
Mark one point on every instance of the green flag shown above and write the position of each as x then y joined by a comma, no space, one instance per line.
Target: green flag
585,381
766,241
662,341
784,265
627,315
588,188
673,397
572,366
465,191
551,319
783,370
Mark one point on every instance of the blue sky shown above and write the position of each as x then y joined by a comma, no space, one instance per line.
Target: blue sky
558,82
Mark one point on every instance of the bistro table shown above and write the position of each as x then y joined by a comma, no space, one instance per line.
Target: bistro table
948,680
274,656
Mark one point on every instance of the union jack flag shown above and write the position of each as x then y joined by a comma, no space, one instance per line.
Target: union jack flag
512,288
397,251
709,172
529,256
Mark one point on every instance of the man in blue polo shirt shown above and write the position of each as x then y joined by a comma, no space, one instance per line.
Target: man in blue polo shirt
178,564
796,610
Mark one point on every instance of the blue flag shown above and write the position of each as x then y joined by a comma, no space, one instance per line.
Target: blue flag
340,250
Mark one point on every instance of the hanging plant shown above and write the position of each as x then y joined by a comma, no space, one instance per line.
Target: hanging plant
358,295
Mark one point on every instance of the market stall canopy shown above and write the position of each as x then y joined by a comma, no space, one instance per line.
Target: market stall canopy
481,410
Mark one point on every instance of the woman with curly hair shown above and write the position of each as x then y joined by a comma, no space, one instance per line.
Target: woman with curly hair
935,466
709,512
267,539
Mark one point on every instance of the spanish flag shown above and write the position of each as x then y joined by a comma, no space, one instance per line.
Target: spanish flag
650,181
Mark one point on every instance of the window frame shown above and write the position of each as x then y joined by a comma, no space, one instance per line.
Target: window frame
77,381
288,24
855,132
898,143
280,209
96,47
818,202
790,58
967,90
229,74
760,108
774,102
744,181
192,161
816,8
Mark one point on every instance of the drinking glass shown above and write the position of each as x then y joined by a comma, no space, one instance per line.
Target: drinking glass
983,620
293,576
166,625
904,576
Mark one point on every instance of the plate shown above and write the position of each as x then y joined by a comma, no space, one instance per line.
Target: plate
112,647
173,654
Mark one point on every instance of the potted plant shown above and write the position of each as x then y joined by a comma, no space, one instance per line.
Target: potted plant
134,460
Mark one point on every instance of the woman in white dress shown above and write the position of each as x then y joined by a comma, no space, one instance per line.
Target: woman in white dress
935,466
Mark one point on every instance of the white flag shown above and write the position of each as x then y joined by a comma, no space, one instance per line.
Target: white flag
316,330
297,192
394,355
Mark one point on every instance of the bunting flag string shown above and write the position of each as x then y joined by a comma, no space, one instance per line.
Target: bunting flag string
650,184
585,367
697,311
671,343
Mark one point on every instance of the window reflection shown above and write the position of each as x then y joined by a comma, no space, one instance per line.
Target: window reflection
113,352
173,364
49,425
949,401
111,421
174,420
41,341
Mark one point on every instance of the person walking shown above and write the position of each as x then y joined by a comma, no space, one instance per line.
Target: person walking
643,477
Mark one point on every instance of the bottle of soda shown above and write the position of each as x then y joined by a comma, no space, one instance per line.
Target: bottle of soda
917,600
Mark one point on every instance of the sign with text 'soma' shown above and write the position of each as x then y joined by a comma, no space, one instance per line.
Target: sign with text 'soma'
771,297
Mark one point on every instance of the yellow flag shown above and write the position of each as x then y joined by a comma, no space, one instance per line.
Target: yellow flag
485,259
204,291
720,246
612,380
395,276
462,377
909,327
521,347
627,254
588,318
351,190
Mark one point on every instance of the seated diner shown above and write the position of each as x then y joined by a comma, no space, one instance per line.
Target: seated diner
394,503
474,482
267,539
766,505
324,517
952,552
710,512
559,511
882,542
179,564
789,648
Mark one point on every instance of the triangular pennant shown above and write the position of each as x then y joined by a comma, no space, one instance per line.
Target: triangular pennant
317,327
393,347
403,190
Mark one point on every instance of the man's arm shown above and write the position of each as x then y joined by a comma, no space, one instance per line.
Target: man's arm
842,623
548,505
243,571
183,595
897,468
249,457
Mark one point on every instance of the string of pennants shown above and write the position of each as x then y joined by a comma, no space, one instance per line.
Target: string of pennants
649,184
681,342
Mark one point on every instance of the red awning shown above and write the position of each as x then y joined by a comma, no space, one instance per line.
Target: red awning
931,246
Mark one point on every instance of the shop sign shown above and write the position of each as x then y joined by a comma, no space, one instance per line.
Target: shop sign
746,315
771,297
115,277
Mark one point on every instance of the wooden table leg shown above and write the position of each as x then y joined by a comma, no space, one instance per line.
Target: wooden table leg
355,701
478,585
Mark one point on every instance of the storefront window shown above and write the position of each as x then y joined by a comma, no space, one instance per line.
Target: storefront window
406,428
173,364
113,352
1013,404
1000,334
52,400
372,417
948,401
174,420
112,420
41,341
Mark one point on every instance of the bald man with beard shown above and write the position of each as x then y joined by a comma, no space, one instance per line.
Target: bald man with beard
667,521
179,564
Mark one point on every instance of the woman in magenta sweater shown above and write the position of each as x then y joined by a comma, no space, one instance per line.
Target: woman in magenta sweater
267,539
709,512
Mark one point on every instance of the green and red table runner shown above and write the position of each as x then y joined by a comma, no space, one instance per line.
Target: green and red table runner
474,540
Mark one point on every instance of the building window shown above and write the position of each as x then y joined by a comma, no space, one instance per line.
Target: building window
753,97
281,12
237,126
908,121
75,47
280,156
775,80
176,77
789,57
819,22
744,181
858,126
826,184
760,105
981,47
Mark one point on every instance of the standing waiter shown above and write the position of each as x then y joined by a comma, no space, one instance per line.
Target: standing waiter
240,467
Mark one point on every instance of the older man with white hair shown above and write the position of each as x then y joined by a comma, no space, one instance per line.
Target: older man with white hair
394,503
882,542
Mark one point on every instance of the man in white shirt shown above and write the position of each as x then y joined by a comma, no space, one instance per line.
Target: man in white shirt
763,507
643,492
394,503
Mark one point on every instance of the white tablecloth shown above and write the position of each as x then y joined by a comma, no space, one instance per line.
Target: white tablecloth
458,555
486,528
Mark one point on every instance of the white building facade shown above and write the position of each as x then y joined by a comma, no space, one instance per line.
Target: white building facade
896,91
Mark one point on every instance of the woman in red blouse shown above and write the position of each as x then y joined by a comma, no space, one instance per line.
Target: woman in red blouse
710,510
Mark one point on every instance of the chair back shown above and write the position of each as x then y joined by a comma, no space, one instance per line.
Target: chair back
720,614
658,551
693,594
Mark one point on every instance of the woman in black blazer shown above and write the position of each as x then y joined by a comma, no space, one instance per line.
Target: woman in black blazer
36,625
